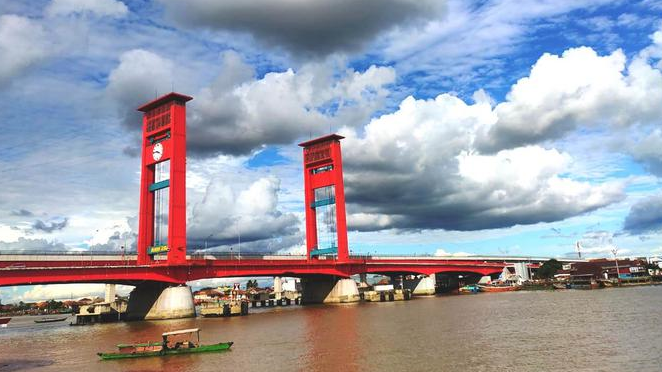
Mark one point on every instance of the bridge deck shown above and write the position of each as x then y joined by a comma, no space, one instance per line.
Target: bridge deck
45,269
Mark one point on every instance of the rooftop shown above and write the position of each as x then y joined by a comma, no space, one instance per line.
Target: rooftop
172,96
327,138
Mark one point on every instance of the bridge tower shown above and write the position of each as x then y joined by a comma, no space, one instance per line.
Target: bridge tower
326,226
162,218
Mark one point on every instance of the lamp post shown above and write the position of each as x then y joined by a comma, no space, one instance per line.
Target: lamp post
614,250
239,239
207,238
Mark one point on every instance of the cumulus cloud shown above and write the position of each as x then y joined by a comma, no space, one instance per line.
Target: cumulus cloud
228,213
111,8
444,253
577,89
65,292
237,114
648,151
417,169
645,216
138,78
25,244
314,27
50,226
23,44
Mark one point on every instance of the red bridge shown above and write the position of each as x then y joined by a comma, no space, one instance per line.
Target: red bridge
161,246
21,269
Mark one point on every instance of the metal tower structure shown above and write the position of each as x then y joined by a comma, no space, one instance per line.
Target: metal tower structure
162,218
326,226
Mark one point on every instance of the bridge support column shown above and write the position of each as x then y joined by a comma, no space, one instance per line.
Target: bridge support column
109,295
317,290
363,280
153,301
423,286
278,288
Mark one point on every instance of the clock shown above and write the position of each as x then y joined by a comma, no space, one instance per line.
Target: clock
157,151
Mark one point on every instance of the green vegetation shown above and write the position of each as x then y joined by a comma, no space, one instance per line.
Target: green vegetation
548,269
251,284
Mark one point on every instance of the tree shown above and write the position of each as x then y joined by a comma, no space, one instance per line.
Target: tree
548,269
251,284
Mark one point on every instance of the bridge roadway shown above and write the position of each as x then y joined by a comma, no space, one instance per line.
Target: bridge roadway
30,269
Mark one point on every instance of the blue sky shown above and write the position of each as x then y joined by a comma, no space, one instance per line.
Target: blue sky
487,127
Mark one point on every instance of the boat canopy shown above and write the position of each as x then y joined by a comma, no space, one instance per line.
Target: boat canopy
191,330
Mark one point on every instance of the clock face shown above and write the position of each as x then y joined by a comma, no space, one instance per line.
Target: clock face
157,151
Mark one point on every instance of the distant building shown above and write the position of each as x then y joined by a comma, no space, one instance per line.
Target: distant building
593,272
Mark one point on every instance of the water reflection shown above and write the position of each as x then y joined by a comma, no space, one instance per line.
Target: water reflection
606,330
332,339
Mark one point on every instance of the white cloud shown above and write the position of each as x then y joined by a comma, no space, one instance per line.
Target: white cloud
111,8
64,292
473,41
577,89
648,150
417,168
140,76
442,252
229,211
9,235
23,43
237,114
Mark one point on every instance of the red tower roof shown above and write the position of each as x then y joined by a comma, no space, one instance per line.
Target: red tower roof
172,96
326,138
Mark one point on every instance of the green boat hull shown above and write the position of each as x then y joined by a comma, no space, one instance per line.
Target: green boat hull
200,349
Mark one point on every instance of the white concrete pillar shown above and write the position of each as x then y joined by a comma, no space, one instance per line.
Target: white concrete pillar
156,301
109,295
422,286
363,280
329,290
278,287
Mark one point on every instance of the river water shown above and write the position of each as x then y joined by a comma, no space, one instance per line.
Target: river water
615,329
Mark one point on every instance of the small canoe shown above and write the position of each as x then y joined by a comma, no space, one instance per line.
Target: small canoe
4,321
51,320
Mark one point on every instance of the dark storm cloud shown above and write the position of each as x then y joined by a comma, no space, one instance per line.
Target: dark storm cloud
49,227
22,213
645,216
313,27
256,245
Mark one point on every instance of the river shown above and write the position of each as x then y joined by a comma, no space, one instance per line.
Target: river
616,329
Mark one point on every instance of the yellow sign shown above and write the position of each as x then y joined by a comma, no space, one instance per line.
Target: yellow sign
157,249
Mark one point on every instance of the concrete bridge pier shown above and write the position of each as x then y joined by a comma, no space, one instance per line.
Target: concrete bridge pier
109,293
328,289
278,288
423,285
152,301
363,280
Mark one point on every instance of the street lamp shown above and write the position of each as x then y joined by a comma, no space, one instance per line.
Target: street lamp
614,250
207,238
239,239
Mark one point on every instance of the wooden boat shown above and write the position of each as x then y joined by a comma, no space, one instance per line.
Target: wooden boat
168,346
469,289
499,288
4,321
51,320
